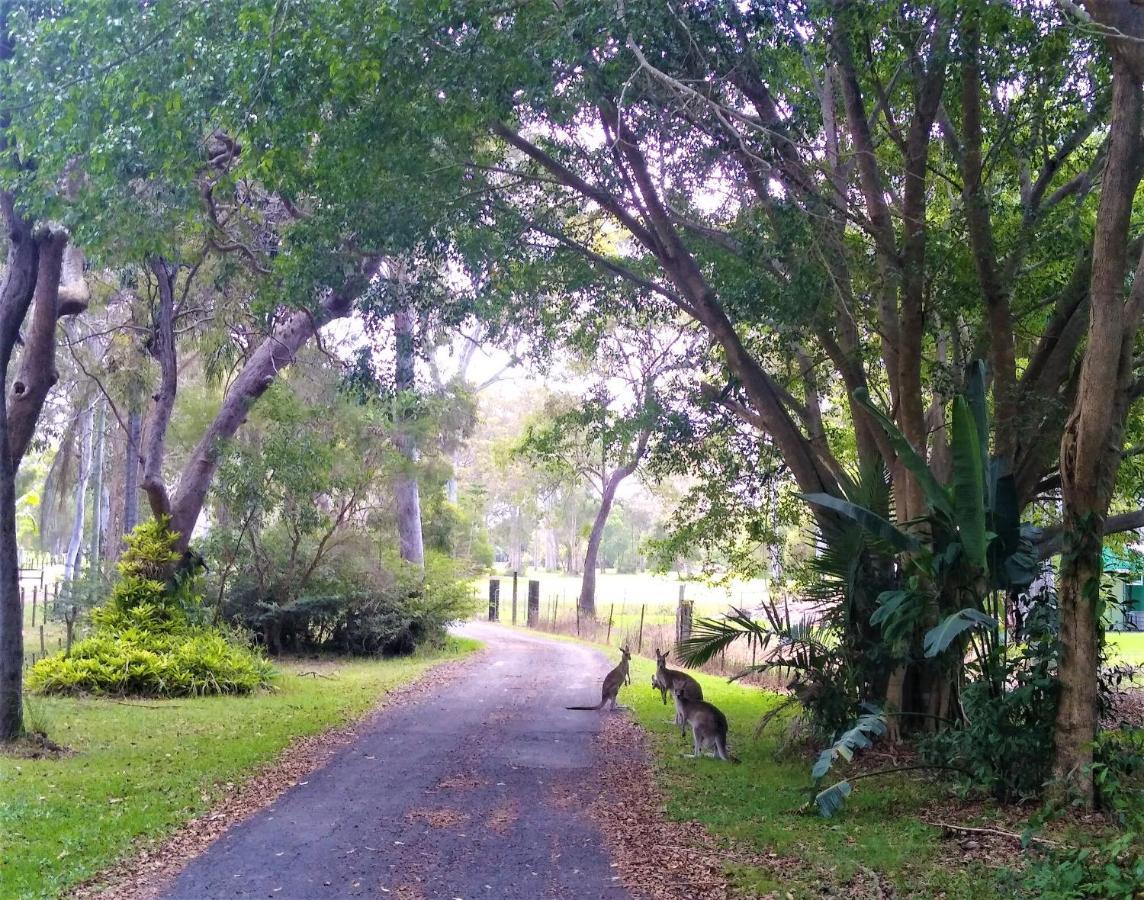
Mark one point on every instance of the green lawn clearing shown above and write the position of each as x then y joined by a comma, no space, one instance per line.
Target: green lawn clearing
759,803
139,770
1126,647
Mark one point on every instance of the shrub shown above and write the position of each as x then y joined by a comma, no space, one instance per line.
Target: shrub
356,601
149,637
144,663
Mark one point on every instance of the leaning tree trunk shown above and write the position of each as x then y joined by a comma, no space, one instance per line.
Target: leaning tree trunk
274,354
408,493
1094,435
75,543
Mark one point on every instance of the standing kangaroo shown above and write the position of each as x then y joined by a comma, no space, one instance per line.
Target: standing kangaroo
613,681
667,680
708,725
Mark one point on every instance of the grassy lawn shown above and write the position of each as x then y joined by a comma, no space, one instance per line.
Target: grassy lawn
758,803
1126,647
139,771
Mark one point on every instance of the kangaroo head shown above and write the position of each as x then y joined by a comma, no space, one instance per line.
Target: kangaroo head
660,658
627,654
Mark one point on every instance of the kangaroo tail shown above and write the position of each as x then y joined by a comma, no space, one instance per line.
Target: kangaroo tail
597,706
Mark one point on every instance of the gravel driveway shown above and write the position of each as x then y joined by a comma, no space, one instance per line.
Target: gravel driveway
468,791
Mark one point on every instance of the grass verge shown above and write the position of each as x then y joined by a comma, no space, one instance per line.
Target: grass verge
138,770
878,839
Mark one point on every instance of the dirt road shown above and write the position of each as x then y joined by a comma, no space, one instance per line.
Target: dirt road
469,791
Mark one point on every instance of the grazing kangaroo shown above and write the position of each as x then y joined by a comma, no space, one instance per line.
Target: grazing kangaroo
613,681
708,725
666,680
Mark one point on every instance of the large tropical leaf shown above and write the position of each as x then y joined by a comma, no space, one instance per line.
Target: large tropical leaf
942,635
968,484
830,800
709,637
975,395
936,496
871,521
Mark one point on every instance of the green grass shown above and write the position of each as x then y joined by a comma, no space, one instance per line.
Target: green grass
759,803
140,771
1126,647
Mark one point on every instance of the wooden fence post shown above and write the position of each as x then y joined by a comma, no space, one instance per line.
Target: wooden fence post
533,603
514,596
494,599
639,643
577,620
683,617
35,592
555,609
43,649
611,609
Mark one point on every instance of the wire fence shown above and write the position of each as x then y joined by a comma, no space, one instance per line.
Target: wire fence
642,627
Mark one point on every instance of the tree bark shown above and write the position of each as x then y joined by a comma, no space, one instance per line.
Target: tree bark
407,490
163,350
1093,437
15,296
38,372
587,601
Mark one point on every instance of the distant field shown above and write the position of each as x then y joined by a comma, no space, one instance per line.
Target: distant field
625,594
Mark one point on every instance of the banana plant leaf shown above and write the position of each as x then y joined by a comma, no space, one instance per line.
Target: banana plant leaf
942,635
968,484
936,496
871,521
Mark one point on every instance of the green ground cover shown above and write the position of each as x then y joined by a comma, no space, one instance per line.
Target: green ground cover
141,770
1126,647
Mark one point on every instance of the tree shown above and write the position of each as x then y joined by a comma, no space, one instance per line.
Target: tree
605,439
1091,445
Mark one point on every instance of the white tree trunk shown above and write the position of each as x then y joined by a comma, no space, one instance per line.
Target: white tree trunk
75,543
408,493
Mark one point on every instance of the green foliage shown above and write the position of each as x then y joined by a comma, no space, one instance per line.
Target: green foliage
149,637
138,662
357,602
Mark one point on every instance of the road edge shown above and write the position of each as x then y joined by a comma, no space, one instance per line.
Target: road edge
147,870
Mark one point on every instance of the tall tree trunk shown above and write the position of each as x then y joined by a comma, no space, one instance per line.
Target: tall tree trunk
408,493
75,543
587,601
97,508
131,472
16,289
1093,437
159,418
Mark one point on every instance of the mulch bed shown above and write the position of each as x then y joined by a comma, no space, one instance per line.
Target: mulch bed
146,874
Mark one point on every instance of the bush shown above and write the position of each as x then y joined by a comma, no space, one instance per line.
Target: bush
355,602
143,663
150,638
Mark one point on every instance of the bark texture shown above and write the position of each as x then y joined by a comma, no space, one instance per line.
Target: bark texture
15,297
1093,436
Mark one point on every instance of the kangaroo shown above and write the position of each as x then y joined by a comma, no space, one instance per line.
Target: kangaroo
613,681
666,680
708,725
